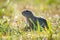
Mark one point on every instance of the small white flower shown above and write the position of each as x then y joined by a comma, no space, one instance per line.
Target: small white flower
21,38
16,17
4,17
8,19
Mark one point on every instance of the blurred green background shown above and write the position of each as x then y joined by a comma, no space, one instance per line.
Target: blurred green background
12,22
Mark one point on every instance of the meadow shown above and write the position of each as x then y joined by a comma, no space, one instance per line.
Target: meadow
13,23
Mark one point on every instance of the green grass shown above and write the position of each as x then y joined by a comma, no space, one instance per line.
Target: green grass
9,33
